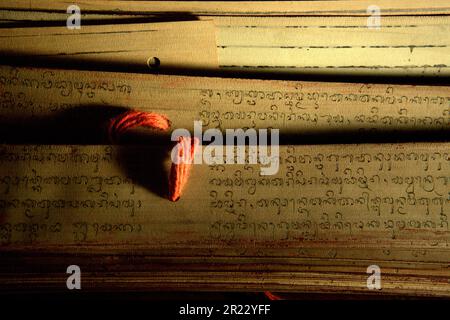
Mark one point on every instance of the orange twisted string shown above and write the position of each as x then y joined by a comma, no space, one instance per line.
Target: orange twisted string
179,171
133,119
272,296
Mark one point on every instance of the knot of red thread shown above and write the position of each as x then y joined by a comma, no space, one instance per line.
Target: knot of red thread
185,148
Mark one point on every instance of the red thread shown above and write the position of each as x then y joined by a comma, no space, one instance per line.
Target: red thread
133,119
271,296
179,172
